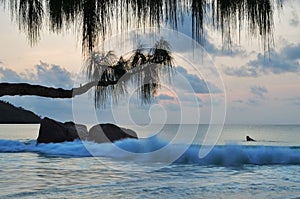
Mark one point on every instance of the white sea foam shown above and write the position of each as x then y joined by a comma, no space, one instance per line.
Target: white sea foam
224,155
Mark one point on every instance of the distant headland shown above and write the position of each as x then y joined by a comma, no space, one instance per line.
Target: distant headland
9,114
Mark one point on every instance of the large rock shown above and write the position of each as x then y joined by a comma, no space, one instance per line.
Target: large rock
82,131
54,131
109,133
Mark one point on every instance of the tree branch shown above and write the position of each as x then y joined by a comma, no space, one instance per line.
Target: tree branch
12,89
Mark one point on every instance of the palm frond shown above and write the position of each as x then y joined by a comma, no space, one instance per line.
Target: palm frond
145,69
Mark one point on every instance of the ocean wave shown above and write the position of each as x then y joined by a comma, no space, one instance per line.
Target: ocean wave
143,151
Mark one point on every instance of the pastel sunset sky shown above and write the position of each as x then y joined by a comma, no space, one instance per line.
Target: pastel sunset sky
259,89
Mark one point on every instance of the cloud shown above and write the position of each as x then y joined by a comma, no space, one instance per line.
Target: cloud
199,85
208,42
212,49
8,75
294,21
291,51
253,102
239,101
295,101
53,75
43,73
224,50
258,91
244,71
276,65
258,94
47,75
165,97
284,61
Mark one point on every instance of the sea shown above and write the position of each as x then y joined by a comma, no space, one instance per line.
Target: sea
164,163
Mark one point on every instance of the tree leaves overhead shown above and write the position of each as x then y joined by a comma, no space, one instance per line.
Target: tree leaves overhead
30,17
95,19
143,69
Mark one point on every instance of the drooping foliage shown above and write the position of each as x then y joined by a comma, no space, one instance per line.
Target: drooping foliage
143,68
95,19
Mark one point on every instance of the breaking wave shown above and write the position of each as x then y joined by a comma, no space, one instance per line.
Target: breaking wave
223,155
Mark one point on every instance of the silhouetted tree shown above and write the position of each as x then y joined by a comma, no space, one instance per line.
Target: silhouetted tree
110,76
94,19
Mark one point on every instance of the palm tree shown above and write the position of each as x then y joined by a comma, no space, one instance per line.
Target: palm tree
145,68
110,76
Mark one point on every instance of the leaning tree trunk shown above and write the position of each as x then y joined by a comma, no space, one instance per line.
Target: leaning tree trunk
12,89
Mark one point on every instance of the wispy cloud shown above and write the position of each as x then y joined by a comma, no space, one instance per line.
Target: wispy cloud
295,100
257,94
244,71
294,21
199,85
284,61
238,101
208,42
258,91
165,97
212,49
253,102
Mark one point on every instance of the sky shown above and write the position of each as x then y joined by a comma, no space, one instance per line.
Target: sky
256,89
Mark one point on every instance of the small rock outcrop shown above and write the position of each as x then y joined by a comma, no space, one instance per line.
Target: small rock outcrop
52,131
109,133
249,139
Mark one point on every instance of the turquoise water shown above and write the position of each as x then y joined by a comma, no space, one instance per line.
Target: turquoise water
153,167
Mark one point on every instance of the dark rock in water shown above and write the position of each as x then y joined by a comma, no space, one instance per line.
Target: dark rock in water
109,133
249,139
54,131
82,131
